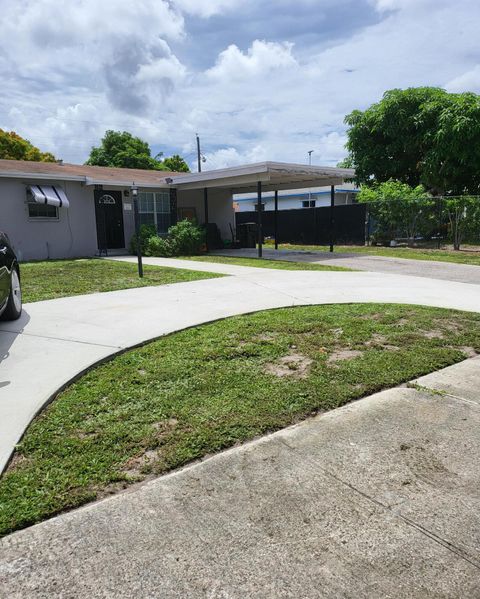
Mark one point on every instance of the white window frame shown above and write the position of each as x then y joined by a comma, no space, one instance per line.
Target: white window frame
158,196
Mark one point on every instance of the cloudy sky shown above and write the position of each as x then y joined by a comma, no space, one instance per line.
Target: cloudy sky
256,79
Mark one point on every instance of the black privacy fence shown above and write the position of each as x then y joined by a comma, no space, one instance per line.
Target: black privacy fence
428,222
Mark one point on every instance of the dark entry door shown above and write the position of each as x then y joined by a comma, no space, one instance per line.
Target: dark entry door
109,216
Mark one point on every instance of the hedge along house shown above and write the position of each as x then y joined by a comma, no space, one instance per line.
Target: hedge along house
54,210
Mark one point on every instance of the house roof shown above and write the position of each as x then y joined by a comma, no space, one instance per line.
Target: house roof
91,175
239,179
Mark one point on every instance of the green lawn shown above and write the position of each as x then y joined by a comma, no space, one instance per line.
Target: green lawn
201,390
60,278
467,256
265,263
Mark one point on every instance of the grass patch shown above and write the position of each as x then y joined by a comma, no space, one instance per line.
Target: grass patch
466,256
201,390
265,263
61,278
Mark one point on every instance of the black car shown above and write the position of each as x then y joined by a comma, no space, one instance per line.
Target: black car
10,291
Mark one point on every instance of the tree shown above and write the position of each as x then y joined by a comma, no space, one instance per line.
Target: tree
418,136
14,147
176,164
463,214
399,210
123,150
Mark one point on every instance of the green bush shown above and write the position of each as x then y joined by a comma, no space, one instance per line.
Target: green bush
159,246
184,239
147,232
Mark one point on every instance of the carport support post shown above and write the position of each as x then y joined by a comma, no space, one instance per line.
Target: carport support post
205,208
137,231
332,222
259,217
275,220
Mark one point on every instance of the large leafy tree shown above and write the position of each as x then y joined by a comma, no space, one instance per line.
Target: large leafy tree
418,136
122,149
399,209
14,147
176,164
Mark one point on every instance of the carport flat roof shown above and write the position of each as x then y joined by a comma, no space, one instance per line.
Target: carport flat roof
272,175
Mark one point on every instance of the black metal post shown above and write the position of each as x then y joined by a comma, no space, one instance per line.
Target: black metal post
332,221
275,220
439,213
259,218
205,207
137,235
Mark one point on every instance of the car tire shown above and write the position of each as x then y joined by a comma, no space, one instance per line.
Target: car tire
14,302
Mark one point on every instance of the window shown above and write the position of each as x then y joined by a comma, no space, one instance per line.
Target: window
308,204
41,210
262,204
154,209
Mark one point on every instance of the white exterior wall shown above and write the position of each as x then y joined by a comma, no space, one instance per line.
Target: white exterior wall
73,234
220,207
290,203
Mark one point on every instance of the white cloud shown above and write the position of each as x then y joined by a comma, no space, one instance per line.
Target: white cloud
468,81
260,58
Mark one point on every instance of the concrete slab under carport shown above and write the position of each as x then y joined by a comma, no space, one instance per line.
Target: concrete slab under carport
376,499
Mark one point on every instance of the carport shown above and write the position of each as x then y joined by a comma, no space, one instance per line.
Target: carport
262,177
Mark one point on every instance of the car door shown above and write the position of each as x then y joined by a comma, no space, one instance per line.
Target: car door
4,270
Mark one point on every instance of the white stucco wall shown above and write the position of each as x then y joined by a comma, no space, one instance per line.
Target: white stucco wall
220,207
73,234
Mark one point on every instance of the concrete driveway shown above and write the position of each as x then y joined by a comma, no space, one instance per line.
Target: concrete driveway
55,341
432,269
378,499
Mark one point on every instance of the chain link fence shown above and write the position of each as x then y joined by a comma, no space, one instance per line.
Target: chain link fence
430,222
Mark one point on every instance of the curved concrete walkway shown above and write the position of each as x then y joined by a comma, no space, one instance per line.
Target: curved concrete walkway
56,340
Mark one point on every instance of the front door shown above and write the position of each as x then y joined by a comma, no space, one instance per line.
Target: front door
109,216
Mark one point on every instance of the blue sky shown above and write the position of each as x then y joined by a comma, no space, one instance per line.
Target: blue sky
258,80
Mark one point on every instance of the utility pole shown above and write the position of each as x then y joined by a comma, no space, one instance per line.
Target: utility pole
310,152
199,155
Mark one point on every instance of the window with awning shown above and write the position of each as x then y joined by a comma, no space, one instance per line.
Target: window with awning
51,195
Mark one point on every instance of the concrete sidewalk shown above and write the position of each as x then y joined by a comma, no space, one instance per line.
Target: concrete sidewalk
433,269
378,499
55,341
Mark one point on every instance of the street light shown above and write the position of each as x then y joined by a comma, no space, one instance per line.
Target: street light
134,191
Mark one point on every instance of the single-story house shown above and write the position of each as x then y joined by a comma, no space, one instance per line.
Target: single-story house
291,199
56,210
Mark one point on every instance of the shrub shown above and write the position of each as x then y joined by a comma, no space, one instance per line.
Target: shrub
184,239
147,232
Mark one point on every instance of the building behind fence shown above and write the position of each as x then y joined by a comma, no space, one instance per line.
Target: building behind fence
429,222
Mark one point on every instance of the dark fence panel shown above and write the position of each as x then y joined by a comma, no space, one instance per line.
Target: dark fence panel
312,225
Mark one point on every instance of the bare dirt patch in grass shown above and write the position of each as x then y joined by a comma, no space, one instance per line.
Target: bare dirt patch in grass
293,365
435,334
343,354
